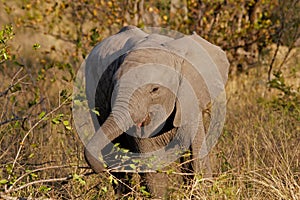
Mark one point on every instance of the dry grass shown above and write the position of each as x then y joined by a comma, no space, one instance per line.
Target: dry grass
260,148
257,157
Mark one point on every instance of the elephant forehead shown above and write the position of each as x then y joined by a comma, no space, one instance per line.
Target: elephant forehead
150,73
150,65
157,55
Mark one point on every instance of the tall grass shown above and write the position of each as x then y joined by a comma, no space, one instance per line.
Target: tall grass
257,156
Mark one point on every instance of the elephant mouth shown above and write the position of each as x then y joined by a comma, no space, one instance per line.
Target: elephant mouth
146,128
140,127
146,121
157,139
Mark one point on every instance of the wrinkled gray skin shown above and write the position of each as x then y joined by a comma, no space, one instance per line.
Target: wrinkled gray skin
142,116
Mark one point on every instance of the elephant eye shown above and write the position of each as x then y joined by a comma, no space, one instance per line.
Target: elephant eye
154,89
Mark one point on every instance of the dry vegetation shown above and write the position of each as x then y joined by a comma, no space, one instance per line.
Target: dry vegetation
41,156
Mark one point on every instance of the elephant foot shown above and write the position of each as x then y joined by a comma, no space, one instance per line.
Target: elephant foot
160,185
207,169
157,184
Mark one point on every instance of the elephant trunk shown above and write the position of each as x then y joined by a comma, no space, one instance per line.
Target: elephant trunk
100,145
129,107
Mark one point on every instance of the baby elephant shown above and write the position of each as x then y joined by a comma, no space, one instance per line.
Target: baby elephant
145,94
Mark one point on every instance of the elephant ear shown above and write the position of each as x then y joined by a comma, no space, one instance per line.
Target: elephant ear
204,74
217,55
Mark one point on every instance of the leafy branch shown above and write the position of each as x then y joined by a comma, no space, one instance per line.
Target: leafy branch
30,130
6,34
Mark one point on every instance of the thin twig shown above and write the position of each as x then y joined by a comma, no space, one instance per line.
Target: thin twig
13,84
108,171
286,56
12,120
281,30
30,130
273,60
6,197
195,183
35,170
40,181
6,92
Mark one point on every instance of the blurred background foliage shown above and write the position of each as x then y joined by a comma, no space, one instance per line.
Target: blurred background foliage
244,28
43,42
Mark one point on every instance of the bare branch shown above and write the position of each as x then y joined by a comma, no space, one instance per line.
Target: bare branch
6,197
36,170
40,181
273,60
5,92
133,190
31,129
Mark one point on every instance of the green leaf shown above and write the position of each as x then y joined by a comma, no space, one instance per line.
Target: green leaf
55,121
125,157
104,189
34,175
76,177
132,166
31,155
125,150
3,181
77,102
44,188
96,112
66,122
144,191
117,144
36,46
42,114
113,180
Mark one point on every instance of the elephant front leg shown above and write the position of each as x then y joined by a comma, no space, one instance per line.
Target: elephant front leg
156,183
191,136
161,184
200,157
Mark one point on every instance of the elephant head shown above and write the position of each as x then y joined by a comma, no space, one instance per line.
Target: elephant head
142,83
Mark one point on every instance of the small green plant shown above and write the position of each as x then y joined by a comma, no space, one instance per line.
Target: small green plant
288,98
60,118
79,179
6,34
144,191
